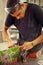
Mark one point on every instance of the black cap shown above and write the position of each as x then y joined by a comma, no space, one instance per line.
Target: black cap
11,3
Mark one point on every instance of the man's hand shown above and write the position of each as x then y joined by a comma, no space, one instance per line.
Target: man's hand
10,45
27,45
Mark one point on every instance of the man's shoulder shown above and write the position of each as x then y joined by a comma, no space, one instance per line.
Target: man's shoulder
33,6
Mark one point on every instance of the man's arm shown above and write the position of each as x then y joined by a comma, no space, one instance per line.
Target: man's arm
5,32
8,23
30,45
38,40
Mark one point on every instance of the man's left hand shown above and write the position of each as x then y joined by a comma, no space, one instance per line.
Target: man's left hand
27,46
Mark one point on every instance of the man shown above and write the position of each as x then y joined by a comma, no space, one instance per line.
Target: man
28,18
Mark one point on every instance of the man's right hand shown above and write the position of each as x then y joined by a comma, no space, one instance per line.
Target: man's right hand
11,44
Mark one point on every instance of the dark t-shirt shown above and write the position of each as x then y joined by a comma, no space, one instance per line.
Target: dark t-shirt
29,26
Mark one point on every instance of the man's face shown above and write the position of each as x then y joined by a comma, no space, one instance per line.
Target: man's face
19,13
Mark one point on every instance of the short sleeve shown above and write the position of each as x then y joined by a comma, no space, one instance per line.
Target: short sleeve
9,21
38,14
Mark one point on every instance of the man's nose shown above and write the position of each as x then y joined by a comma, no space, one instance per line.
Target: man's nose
17,13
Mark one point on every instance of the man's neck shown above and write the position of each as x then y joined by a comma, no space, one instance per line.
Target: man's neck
25,6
